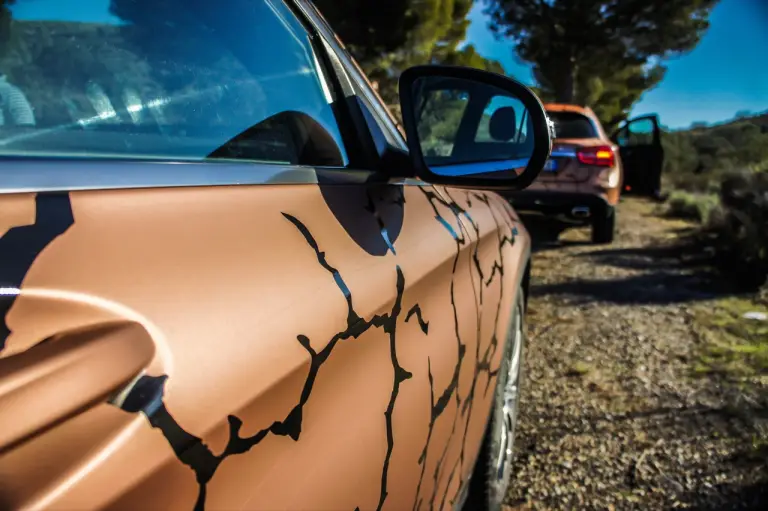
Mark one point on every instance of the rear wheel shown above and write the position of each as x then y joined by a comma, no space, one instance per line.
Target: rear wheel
491,477
604,226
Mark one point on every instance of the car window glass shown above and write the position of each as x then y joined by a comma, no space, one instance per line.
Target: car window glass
572,125
638,132
168,79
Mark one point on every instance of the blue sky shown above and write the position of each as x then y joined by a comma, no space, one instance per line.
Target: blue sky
94,11
727,72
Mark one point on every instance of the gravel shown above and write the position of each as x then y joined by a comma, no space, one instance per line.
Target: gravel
612,416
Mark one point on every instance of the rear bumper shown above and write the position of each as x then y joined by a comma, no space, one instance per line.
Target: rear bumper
558,203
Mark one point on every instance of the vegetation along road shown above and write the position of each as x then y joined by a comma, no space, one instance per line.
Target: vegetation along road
643,386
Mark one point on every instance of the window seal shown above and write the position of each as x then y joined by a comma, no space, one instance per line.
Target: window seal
355,133
359,89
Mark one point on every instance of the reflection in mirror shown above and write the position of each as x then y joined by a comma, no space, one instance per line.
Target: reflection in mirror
471,128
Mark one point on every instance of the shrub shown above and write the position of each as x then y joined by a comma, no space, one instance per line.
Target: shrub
740,227
691,206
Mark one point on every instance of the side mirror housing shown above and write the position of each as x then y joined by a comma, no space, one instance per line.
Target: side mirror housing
472,128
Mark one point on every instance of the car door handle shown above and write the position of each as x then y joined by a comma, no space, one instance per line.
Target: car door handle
67,374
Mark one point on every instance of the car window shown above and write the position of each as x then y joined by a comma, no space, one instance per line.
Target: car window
572,125
168,79
639,132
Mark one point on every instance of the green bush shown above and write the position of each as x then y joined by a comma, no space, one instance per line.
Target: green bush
691,206
740,228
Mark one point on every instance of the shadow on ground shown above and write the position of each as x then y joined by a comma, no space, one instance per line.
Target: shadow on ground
732,497
657,289
545,232
677,271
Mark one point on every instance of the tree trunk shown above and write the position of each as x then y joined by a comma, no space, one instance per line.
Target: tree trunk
565,83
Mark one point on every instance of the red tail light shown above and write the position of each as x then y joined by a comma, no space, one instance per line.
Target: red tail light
600,156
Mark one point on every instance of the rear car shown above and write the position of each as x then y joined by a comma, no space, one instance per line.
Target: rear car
587,171
227,281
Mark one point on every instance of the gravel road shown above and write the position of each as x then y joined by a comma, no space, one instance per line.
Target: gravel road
612,415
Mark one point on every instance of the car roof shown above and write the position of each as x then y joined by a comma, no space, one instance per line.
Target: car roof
562,107
577,109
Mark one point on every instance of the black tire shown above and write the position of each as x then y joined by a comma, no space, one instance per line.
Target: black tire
490,481
604,226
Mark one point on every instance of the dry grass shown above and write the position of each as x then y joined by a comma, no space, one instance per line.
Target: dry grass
732,345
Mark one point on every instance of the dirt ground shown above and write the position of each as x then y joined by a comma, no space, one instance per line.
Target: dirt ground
613,413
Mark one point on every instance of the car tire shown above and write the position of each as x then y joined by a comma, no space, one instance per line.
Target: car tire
604,226
491,477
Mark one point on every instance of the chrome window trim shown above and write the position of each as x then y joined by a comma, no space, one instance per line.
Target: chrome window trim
19,175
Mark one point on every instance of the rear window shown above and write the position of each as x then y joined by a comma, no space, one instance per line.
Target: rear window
163,79
572,125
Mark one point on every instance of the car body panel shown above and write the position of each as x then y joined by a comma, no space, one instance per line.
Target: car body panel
308,338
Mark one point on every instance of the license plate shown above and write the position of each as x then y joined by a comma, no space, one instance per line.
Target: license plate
550,166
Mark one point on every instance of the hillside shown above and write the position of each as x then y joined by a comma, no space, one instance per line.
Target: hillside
696,158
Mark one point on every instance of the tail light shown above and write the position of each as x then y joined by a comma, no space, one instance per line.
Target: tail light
600,156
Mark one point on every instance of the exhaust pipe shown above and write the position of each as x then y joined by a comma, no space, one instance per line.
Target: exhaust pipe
580,212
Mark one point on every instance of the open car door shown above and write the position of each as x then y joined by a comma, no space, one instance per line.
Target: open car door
642,155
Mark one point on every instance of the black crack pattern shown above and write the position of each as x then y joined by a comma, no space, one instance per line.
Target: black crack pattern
482,363
371,208
20,246
416,309
147,395
438,406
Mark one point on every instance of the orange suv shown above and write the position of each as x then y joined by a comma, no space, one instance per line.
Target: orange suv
583,179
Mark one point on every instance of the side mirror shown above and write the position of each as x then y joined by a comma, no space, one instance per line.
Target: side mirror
467,127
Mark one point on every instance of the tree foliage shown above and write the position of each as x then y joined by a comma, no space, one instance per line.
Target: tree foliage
601,53
388,37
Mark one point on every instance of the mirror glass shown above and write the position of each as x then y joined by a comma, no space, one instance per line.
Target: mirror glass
471,128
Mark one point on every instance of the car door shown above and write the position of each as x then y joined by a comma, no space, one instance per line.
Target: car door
212,296
642,155
471,300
